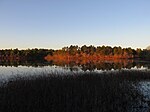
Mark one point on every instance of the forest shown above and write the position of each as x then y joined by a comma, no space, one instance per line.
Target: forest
75,52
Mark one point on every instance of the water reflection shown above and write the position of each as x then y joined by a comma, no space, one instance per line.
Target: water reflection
9,69
83,65
124,89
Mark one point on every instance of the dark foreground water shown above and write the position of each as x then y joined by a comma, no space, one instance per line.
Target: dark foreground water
105,87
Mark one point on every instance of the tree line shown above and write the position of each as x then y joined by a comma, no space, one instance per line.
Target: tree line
100,52
28,54
75,51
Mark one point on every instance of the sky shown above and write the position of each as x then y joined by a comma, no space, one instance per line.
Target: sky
58,23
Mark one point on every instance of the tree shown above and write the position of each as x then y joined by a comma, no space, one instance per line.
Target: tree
117,51
84,49
73,50
91,50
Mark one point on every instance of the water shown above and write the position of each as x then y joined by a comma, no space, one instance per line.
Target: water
10,70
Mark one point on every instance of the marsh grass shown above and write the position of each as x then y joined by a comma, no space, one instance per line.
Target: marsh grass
86,92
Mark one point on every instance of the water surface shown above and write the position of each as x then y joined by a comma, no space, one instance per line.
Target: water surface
131,85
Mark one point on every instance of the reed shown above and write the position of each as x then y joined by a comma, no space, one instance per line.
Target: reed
85,92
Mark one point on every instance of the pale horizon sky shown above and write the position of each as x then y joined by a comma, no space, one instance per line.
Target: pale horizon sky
57,23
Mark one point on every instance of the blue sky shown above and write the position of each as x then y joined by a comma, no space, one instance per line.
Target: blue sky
58,23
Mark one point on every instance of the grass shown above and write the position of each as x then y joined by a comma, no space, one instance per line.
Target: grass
86,92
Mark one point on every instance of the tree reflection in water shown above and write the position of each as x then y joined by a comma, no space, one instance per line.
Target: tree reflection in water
83,64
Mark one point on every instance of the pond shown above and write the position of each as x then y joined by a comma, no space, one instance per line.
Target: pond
121,78
9,68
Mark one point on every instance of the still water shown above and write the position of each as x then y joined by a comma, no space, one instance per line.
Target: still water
13,69
10,70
